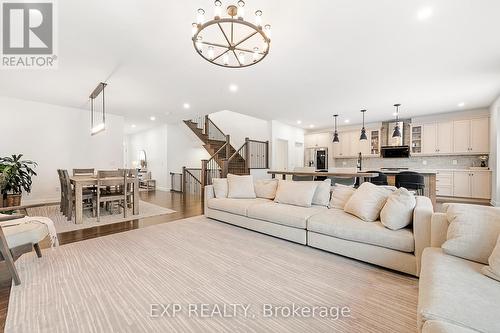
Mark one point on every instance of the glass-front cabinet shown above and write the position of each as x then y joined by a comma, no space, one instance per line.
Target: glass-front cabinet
375,142
416,139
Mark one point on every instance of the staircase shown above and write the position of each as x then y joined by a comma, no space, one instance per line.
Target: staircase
224,158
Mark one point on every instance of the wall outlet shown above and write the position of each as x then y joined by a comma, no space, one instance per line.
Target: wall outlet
344,163
454,162
424,162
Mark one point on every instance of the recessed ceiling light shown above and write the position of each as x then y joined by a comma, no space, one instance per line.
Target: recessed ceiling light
233,88
152,118
299,122
346,121
186,105
395,114
425,13
311,126
133,126
461,104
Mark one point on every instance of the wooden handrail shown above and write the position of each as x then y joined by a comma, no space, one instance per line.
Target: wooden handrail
188,172
211,122
217,152
237,152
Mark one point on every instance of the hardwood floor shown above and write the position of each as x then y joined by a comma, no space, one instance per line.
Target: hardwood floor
184,205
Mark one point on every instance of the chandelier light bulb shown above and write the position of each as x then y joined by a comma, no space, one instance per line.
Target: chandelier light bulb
258,18
241,9
218,9
225,59
267,30
241,57
255,54
199,43
194,29
211,52
200,17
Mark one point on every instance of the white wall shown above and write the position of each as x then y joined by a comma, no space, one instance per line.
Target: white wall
494,155
57,137
240,126
292,135
154,143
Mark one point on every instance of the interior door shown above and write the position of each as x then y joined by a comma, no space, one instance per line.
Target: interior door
298,155
281,155
429,138
480,135
461,184
445,137
461,136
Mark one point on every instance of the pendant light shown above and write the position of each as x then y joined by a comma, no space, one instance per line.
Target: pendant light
397,130
363,136
335,133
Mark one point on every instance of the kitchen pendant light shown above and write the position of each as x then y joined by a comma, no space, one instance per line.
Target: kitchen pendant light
335,133
397,130
363,136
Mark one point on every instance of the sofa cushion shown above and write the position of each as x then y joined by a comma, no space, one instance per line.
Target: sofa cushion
295,193
473,231
220,187
240,187
367,202
266,188
340,195
289,215
437,326
452,289
234,206
398,210
337,223
493,270
322,194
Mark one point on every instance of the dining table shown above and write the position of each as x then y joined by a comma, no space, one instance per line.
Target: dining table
79,182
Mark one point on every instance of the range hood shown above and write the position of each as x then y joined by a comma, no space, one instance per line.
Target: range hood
397,147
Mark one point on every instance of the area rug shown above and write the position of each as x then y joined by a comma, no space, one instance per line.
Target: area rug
198,275
146,209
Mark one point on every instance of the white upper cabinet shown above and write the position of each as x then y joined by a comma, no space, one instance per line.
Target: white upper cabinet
471,136
429,138
480,135
317,140
445,137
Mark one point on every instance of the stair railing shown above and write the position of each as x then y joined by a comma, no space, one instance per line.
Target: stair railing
213,131
254,153
210,168
191,180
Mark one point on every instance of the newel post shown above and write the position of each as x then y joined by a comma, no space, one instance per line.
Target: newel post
204,175
207,127
228,146
267,154
183,180
247,155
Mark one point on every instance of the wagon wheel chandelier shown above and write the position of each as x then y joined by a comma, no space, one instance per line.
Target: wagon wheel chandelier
232,41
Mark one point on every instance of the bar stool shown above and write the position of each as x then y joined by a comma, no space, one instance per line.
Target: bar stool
380,180
411,181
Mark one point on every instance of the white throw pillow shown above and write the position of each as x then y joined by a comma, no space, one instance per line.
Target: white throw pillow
240,187
296,193
367,202
398,210
322,194
220,187
266,188
473,231
493,270
340,195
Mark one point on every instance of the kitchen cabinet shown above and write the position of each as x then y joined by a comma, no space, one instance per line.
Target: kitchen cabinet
429,138
350,145
471,136
444,183
317,140
472,184
437,138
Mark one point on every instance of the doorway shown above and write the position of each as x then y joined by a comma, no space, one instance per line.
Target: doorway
281,155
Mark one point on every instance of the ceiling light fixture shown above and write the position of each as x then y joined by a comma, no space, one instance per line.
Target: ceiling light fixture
461,105
425,13
133,126
311,126
233,88
186,105
347,121
299,122
152,118
397,130
335,133
363,136
97,115
231,53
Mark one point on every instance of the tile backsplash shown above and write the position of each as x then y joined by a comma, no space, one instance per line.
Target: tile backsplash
414,162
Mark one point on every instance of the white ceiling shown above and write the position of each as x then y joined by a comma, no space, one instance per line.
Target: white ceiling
327,56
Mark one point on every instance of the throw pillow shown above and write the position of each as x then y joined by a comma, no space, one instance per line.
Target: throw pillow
322,194
493,270
398,210
473,231
340,195
240,187
220,187
367,202
295,193
266,188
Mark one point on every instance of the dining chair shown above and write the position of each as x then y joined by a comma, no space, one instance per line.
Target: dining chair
61,184
68,197
83,172
113,191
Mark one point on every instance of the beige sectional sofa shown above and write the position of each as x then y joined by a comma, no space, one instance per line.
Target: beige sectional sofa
454,295
330,229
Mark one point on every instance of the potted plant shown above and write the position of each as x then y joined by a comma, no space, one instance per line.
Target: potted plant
16,177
